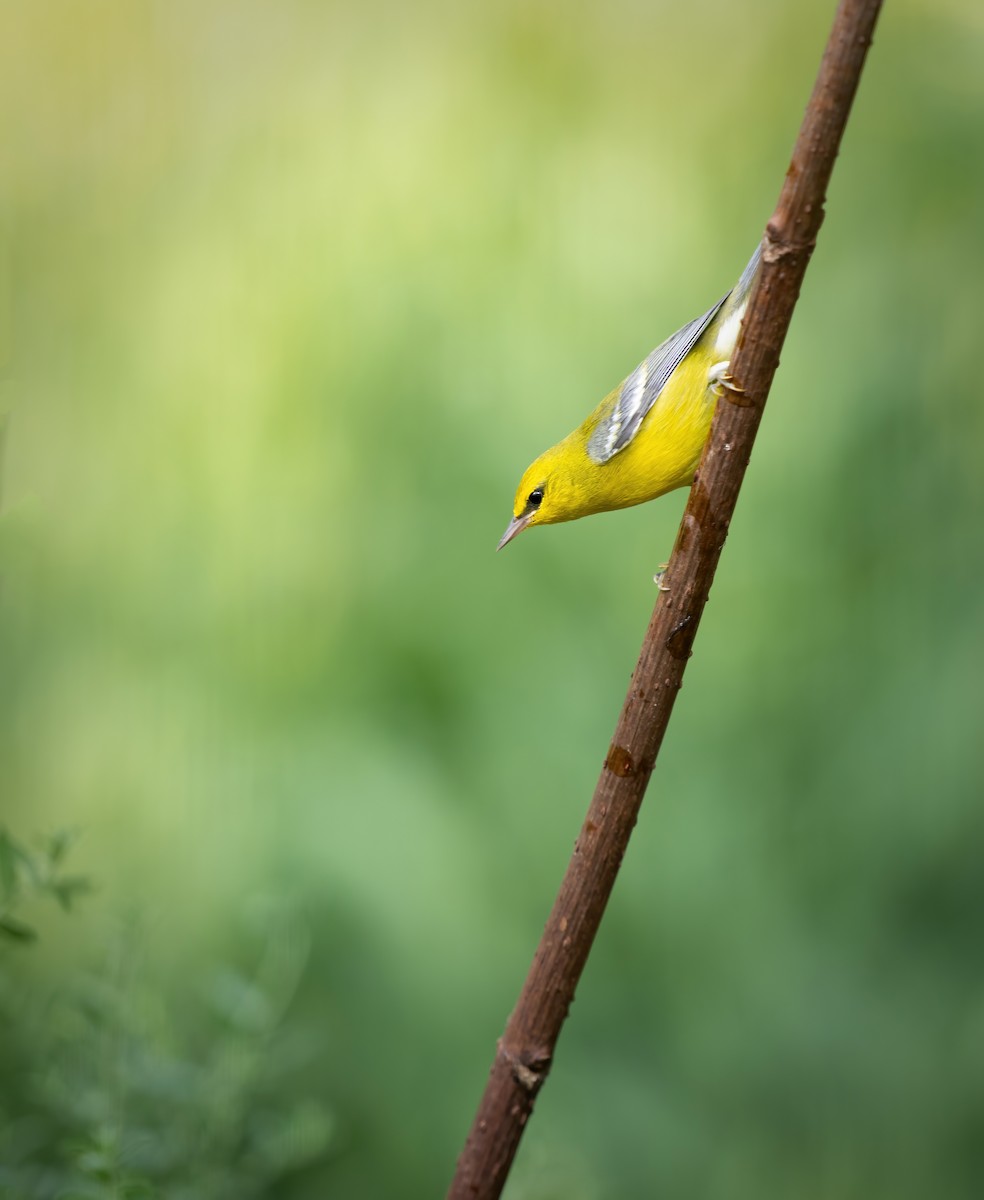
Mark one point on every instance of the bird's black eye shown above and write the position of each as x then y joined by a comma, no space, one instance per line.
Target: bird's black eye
534,498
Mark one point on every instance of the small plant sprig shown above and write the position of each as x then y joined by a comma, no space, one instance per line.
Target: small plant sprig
27,874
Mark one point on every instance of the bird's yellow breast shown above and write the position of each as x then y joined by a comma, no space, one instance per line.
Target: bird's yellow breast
664,454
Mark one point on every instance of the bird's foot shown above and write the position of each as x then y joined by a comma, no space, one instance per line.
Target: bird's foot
720,379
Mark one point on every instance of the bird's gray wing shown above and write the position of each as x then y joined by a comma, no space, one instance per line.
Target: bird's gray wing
620,422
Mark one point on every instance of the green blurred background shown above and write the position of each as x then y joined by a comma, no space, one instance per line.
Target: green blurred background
292,294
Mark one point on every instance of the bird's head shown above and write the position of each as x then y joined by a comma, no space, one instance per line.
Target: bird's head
548,492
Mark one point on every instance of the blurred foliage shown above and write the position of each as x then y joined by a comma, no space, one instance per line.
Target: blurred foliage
27,873
119,1096
291,294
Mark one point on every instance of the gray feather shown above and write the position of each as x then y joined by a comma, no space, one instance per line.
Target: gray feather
637,395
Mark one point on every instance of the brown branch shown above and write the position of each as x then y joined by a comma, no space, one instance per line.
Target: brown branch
525,1051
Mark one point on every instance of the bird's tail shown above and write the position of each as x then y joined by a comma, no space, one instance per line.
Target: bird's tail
740,292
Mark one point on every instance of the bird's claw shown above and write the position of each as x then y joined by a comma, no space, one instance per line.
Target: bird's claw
720,379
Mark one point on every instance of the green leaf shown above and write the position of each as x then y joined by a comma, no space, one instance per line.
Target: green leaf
25,863
67,889
15,929
8,865
57,845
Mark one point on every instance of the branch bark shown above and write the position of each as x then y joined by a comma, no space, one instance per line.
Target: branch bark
525,1051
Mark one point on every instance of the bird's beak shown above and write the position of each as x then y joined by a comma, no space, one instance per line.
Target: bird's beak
516,525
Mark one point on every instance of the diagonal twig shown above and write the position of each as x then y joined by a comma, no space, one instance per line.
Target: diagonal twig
525,1050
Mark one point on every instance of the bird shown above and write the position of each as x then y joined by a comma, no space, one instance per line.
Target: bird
645,438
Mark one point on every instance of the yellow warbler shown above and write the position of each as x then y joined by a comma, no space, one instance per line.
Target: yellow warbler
645,438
